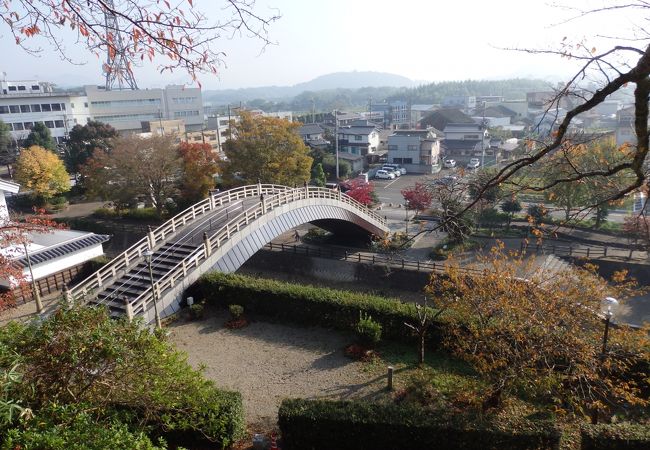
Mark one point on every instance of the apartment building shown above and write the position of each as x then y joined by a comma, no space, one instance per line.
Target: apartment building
416,150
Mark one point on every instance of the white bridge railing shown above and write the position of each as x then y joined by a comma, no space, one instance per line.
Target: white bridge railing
142,303
121,263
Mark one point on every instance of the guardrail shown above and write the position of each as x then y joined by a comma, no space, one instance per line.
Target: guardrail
367,258
133,254
213,242
585,251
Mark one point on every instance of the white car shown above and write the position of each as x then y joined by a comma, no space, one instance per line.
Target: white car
473,164
397,168
389,169
384,175
449,163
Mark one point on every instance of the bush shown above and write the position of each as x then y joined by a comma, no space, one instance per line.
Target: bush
144,214
105,213
112,371
343,425
309,305
615,437
197,311
368,330
236,311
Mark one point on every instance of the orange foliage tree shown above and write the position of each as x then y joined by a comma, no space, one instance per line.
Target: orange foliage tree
199,165
539,333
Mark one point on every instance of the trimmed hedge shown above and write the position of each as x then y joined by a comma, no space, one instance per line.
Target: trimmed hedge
310,305
615,437
321,424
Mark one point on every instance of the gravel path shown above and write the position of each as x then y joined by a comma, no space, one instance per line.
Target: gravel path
268,362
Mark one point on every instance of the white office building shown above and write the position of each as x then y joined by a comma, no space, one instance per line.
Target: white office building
24,103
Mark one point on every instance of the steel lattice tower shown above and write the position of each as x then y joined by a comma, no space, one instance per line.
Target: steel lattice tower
118,73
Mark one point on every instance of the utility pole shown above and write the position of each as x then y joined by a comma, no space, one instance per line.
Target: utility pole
229,124
35,292
370,108
313,110
336,141
483,138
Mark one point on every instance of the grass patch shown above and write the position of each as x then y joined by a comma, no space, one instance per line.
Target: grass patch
444,249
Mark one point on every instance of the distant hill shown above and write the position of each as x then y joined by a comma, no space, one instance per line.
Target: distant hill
354,80
338,80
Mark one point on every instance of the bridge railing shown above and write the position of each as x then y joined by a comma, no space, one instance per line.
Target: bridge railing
133,254
194,259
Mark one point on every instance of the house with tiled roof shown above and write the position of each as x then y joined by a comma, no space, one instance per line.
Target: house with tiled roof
358,140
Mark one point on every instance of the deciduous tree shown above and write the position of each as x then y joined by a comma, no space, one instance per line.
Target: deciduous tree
267,149
134,167
40,135
418,197
511,206
361,191
42,172
199,165
174,34
538,333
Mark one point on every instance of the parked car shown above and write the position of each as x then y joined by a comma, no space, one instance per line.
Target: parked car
397,167
389,169
449,163
474,164
446,181
384,175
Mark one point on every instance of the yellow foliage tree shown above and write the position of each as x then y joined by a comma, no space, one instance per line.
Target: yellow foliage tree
267,149
532,332
42,172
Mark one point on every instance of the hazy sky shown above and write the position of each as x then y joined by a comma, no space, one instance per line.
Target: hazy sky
420,39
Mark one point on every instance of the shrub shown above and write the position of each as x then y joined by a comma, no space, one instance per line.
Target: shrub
368,330
197,311
309,305
144,214
105,213
236,311
343,425
113,370
615,437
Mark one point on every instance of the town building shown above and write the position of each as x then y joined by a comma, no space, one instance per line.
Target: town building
358,140
418,151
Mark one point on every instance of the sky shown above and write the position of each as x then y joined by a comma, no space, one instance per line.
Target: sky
424,40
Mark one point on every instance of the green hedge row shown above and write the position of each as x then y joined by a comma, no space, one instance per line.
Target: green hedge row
309,305
616,437
320,424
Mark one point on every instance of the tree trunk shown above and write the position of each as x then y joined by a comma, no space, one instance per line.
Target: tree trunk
421,358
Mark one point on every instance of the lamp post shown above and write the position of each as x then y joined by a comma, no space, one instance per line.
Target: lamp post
406,218
148,255
35,292
336,141
608,307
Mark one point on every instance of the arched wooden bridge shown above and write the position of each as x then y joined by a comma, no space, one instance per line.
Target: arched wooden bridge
218,233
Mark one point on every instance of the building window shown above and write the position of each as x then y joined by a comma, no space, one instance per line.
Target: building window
357,138
25,109
14,109
45,107
4,109
22,88
28,125
18,126
407,160
56,106
58,123
12,88
392,147
72,105
36,87
63,106
412,148
36,108
49,123
85,105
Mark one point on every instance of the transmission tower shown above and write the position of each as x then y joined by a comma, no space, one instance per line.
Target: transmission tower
118,73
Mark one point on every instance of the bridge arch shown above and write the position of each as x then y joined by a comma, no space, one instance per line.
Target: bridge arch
230,246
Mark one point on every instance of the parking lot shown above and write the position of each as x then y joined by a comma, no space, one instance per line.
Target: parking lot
389,191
